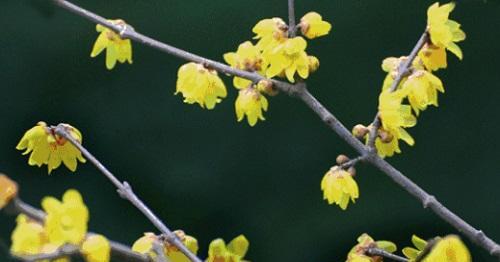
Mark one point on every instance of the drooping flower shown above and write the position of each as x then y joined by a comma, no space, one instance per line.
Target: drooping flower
270,32
235,251
96,248
27,237
8,190
443,31
50,149
200,85
117,49
412,253
250,102
338,187
449,249
357,253
394,114
144,245
66,220
312,25
433,57
289,58
249,58
421,88
387,142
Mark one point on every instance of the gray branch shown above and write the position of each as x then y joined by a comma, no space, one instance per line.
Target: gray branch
291,18
382,253
300,90
63,251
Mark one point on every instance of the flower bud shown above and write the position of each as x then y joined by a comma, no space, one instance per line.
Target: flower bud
359,131
342,159
266,87
313,63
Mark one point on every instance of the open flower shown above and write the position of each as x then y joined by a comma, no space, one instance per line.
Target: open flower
117,49
433,57
449,249
235,251
144,245
250,102
338,187
394,114
270,32
49,149
96,248
28,236
412,253
312,25
387,142
443,31
357,253
66,220
200,85
248,57
289,58
421,88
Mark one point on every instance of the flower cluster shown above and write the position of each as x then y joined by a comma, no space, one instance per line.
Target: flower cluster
339,186
117,49
418,86
65,224
48,148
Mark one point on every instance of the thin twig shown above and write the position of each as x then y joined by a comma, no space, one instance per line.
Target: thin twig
299,90
118,250
158,249
353,162
63,251
382,253
126,192
403,71
291,18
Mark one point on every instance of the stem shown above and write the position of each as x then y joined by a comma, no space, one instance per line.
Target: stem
291,18
382,253
63,251
126,192
299,90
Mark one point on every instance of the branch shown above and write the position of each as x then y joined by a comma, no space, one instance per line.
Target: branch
382,253
300,90
291,18
123,252
63,251
126,192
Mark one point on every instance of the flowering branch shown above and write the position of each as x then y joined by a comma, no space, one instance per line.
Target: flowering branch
291,18
123,252
126,192
382,253
300,90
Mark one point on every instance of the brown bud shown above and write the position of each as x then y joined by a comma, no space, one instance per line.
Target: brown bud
385,136
342,159
352,171
266,87
359,131
8,190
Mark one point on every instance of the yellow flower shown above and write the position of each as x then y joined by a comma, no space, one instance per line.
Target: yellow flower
8,190
28,236
48,148
144,245
117,49
66,221
96,248
49,248
392,113
389,144
449,249
248,57
235,251
250,102
270,32
289,57
443,31
357,253
421,88
200,85
312,25
412,253
338,187
433,57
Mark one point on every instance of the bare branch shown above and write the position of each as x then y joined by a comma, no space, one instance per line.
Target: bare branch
382,253
291,18
126,192
300,90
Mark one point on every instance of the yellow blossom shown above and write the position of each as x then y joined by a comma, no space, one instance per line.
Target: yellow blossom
289,57
28,236
250,102
235,251
48,148
393,114
248,57
49,248
144,245
338,187
412,253
421,88
312,25
357,253
390,145
200,85
96,248
270,32
443,31
66,220
117,49
449,249
8,190
433,57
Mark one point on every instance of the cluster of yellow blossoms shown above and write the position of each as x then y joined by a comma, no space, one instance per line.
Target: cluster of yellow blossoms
48,148
419,86
217,251
447,249
65,224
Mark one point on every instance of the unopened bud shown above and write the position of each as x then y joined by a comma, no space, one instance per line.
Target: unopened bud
266,87
342,159
8,190
313,63
385,136
360,131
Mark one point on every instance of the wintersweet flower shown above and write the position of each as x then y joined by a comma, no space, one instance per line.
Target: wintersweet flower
289,57
443,31
433,57
338,187
392,113
28,236
449,249
412,253
235,251
248,57
357,253
250,103
96,248
387,143
8,190
312,25
200,85
270,32
144,245
421,88
66,220
50,149
117,49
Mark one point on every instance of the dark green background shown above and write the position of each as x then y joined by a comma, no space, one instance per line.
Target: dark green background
213,177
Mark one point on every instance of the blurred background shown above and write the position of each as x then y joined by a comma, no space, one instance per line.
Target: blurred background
211,176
